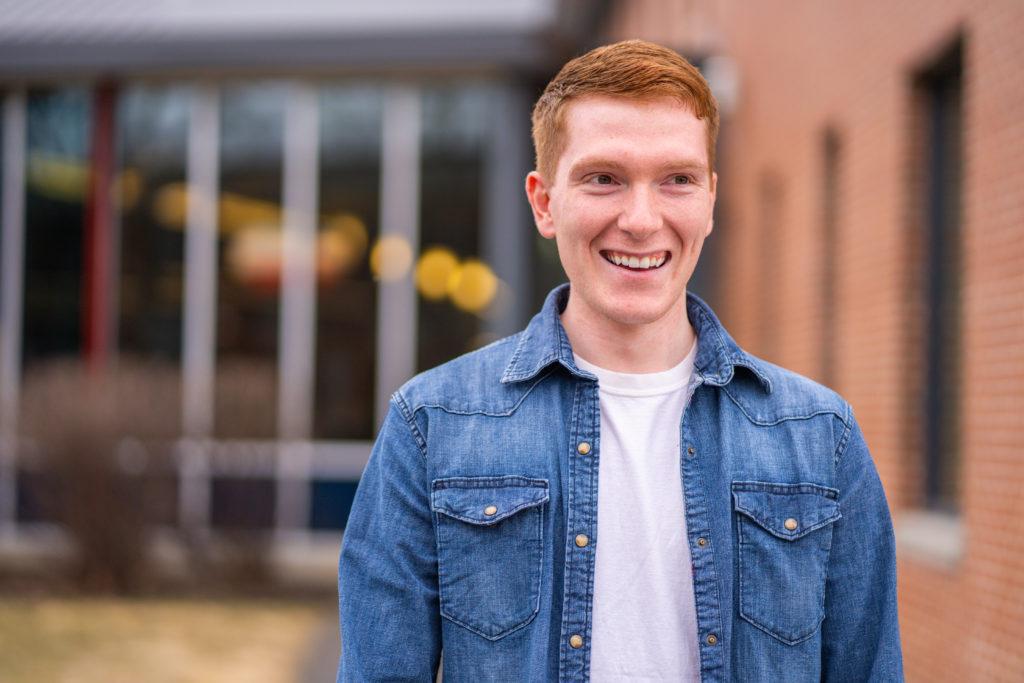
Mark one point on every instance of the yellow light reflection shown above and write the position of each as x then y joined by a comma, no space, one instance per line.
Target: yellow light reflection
254,256
57,177
127,188
433,271
170,205
67,179
341,244
235,211
472,286
390,258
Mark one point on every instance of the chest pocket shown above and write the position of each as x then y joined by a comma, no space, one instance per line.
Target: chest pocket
785,535
490,550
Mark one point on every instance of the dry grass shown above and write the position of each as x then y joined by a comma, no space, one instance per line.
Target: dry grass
86,640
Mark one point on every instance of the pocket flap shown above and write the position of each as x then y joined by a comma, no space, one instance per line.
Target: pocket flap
486,500
787,511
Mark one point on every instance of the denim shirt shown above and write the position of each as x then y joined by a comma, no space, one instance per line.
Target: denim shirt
461,536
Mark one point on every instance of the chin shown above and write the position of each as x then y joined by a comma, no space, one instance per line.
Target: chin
634,314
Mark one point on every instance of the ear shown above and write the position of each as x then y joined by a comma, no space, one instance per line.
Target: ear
714,192
540,201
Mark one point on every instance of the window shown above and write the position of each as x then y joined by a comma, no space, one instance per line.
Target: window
939,90
249,260
829,257
346,318
56,179
152,127
455,126
330,503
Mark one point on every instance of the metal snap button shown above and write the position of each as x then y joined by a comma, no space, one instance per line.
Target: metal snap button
576,641
490,510
790,524
712,639
702,542
583,448
582,540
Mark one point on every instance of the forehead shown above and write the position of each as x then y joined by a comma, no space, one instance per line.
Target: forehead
653,129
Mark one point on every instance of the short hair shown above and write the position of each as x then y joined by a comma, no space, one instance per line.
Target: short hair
634,69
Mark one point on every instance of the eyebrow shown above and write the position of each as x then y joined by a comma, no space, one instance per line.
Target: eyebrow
613,164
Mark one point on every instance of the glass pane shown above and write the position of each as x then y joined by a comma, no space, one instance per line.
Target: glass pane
455,285
346,336
242,504
330,503
3,109
152,135
37,496
56,178
249,260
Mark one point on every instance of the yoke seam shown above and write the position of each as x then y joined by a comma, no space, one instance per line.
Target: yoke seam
482,411
780,420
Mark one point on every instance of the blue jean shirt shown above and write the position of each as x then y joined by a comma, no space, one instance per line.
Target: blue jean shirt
461,536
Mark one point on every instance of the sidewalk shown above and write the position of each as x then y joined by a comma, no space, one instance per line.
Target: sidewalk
320,663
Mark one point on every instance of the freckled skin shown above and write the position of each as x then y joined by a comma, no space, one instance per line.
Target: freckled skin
633,179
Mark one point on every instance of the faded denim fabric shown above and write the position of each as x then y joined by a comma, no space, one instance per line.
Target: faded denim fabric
462,533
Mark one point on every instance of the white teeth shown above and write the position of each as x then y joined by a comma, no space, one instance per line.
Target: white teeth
636,262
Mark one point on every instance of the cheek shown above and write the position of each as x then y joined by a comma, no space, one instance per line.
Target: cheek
589,214
694,222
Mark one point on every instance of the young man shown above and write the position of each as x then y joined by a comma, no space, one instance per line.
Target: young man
619,492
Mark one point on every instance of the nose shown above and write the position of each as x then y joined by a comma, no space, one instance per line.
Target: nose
640,216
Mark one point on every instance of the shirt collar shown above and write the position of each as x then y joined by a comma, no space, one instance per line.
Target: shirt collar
544,342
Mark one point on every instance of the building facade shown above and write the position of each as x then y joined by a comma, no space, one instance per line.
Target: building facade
872,178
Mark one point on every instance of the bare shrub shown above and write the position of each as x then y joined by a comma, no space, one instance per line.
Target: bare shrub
100,448
103,440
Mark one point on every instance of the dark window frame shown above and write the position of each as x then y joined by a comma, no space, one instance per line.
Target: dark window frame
939,96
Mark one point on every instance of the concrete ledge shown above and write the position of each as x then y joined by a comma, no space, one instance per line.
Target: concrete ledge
933,538
298,559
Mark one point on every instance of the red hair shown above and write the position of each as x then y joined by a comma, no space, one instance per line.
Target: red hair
633,69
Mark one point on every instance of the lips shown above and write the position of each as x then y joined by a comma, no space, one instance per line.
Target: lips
646,261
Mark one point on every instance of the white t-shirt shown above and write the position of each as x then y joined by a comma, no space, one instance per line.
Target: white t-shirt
645,619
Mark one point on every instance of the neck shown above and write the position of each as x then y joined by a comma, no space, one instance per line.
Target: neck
632,348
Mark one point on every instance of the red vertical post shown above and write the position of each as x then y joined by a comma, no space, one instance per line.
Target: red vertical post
99,215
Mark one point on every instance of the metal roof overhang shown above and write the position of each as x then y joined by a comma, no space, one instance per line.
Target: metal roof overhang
40,43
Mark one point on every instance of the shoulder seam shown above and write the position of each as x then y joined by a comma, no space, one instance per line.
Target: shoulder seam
403,407
844,440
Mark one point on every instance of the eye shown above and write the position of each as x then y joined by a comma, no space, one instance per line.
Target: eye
681,180
601,179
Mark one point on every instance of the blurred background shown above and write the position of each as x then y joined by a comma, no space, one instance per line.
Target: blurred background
231,229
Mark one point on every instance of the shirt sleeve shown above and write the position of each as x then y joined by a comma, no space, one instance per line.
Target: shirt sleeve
387,577
860,633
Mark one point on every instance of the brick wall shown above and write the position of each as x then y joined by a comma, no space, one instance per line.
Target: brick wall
805,67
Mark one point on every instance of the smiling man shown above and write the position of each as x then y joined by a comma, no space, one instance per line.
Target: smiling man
620,492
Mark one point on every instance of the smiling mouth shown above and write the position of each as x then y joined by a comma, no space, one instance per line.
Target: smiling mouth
651,261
